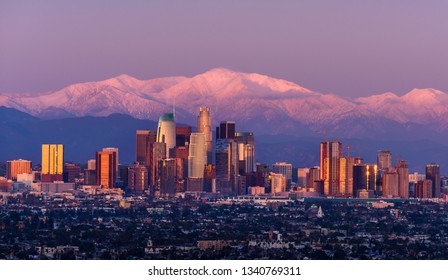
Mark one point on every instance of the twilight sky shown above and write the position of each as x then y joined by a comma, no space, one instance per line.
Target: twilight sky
350,48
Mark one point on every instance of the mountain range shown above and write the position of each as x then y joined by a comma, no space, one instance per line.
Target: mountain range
256,102
288,120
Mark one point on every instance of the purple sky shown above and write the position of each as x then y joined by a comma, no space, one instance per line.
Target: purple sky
350,48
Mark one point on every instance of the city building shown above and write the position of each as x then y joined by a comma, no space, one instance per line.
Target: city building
278,182
403,179
226,130
15,167
330,158
71,172
167,177
183,135
157,153
116,153
433,174
144,140
423,189
166,132
106,168
390,184
384,160
285,169
226,166
197,158
91,164
52,162
205,126
302,174
246,152
137,178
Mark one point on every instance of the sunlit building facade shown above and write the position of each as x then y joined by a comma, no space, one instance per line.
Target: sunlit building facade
15,167
205,126
166,132
52,162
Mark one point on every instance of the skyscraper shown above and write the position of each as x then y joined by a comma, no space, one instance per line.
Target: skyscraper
384,160
390,184
197,158
403,179
226,166
183,135
116,154
137,178
166,132
157,153
227,163
205,126
226,130
246,151
423,189
144,139
106,170
285,169
359,178
167,176
302,174
433,174
331,153
15,167
52,162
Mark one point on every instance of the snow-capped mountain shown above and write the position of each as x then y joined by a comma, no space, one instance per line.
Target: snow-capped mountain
257,102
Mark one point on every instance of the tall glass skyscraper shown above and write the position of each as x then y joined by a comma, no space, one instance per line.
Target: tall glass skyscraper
166,131
205,126
197,158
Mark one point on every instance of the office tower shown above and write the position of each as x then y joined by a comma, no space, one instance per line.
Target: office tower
423,189
390,184
384,160
364,178
91,164
227,163
52,162
90,177
106,168
403,179
15,167
226,166
137,178
71,172
278,182
183,135
197,158
359,178
262,176
311,177
226,130
372,173
205,126
116,152
123,171
246,152
302,174
157,153
167,177
331,153
346,176
181,154
210,178
144,139
433,174
166,132
285,169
